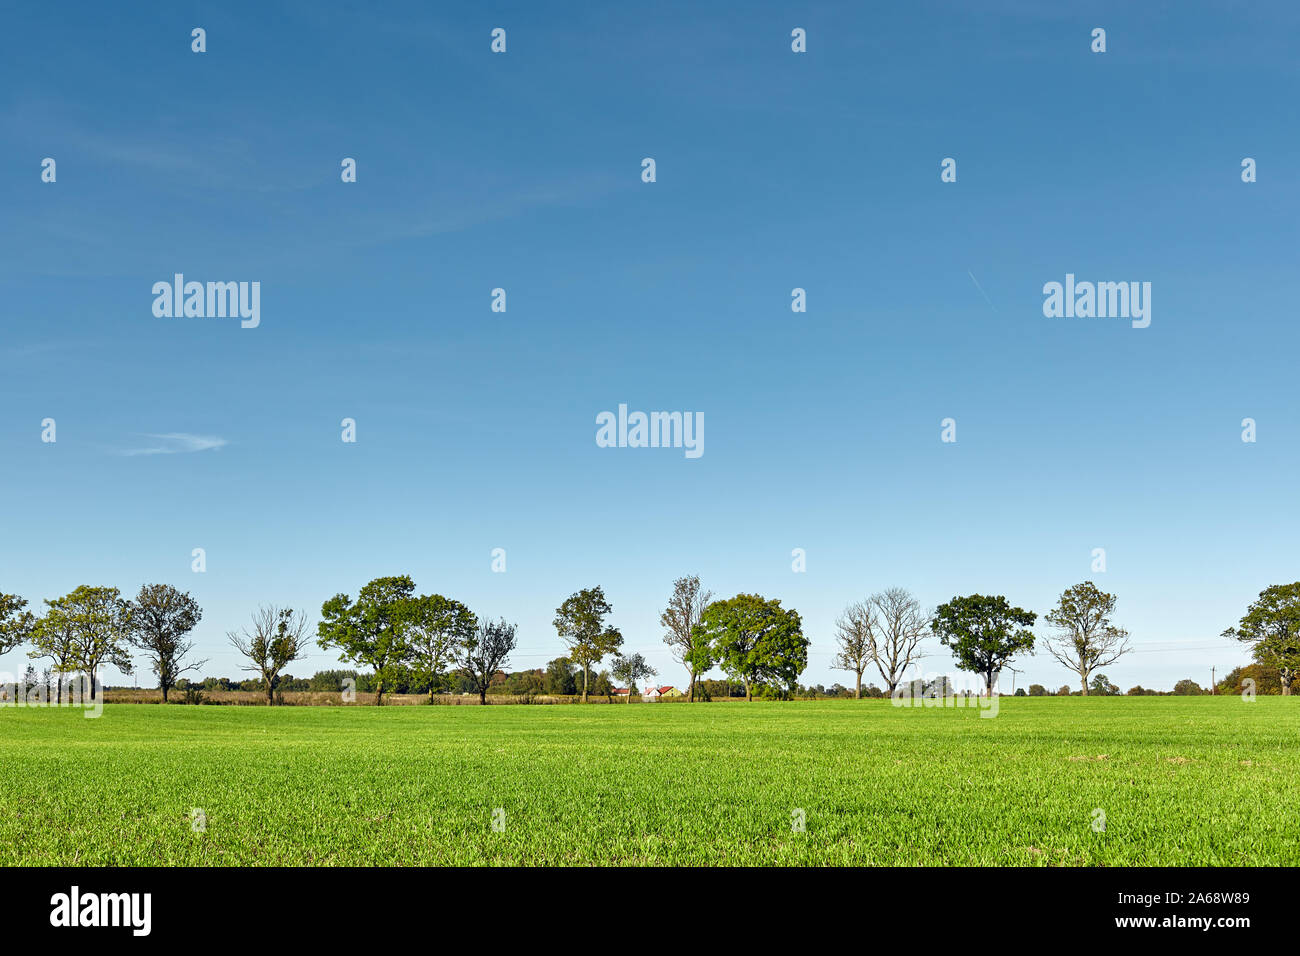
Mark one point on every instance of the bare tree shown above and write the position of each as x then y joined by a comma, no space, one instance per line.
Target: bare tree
276,637
895,627
485,653
853,634
679,620
1085,638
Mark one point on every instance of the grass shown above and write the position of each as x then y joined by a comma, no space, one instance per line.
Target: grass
1182,781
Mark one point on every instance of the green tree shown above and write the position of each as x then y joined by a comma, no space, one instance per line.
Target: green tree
1085,637
559,678
755,640
1102,687
438,628
631,670
685,606
1271,626
984,633
699,659
161,620
485,653
1264,680
580,621
276,638
1188,688
373,631
101,623
16,622
52,637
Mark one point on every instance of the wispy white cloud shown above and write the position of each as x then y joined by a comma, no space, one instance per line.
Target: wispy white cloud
177,443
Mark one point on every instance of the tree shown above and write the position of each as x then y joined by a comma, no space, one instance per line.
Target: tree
1188,688
485,653
679,619
756,640
984,632
1102,687
1264,680
559,678
892,625
277,637
52,637
1037,690
581,623
854,637
631,670
16,622
437,629
374,631
161,617
699,659
100,623
1086,639
1271,625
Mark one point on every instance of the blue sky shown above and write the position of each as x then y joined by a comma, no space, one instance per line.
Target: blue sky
775,170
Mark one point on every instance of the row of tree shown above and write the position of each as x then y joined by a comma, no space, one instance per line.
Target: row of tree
402,637
89,627
984,633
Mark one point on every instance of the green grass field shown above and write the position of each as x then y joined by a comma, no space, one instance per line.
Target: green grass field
1208,780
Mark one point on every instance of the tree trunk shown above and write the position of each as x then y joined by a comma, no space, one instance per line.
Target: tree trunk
92,685
1286,684
482,694
692,687
857,690
270,693
584,686
749,695
164,690
1083,682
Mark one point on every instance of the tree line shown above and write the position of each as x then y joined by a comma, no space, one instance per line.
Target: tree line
437,643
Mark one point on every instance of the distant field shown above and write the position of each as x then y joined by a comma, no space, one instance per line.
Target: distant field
1203,780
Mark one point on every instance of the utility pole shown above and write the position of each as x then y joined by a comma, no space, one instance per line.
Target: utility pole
1212,684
